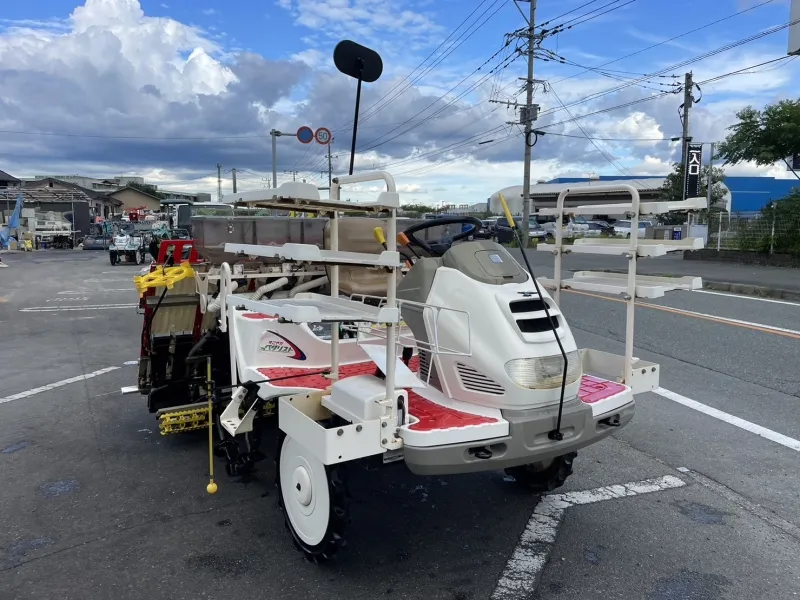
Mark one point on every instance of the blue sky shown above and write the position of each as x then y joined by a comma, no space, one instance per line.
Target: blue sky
296,37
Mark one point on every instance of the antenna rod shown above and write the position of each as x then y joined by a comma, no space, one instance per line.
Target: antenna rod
355,119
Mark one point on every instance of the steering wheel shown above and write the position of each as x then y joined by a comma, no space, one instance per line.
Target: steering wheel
439,247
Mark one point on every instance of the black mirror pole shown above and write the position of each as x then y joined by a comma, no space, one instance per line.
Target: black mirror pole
355,123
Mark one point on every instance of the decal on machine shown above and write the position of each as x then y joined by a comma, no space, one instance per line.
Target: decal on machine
274,343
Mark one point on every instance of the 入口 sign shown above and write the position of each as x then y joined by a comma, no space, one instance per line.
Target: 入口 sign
693,167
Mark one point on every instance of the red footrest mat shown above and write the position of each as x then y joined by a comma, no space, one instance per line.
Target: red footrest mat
594,389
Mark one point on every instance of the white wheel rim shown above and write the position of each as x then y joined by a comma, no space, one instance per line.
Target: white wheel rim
304,488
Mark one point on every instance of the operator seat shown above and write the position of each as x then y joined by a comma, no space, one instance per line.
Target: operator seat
355,235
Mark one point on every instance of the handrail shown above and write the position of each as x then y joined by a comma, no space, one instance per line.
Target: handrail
627,374
337,182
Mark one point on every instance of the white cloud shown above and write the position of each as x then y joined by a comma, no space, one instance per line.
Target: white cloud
111,70
313,58
368,20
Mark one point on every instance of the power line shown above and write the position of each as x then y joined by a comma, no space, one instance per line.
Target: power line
441,116
606,139
483,148
672,39
577,8
681,64
377,107
562,28
608,156
374,109
742,71
508,61
589,16
444,41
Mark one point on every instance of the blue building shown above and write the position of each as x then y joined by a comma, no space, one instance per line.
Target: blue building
748,194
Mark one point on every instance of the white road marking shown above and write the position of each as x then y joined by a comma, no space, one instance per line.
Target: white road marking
729,295
718,318
773,436
524,568
57,384
128,363
84,299
72,308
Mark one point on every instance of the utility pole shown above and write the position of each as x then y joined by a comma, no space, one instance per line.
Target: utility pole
529,116
233,175
330,163
219,182
293,174
688,99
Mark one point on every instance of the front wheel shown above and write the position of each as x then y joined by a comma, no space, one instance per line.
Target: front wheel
544,476
112,257
313,499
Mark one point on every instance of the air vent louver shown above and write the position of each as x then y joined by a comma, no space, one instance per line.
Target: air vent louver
475,381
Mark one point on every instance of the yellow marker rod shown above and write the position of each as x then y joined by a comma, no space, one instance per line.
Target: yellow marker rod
507,211
211,488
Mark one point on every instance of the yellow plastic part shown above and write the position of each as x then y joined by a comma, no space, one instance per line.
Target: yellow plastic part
507,211
211,488
377,233
183,420
165,277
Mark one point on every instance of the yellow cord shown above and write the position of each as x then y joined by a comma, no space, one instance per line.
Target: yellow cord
507,211
211,488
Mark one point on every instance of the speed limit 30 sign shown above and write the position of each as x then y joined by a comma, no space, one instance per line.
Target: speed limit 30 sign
323,136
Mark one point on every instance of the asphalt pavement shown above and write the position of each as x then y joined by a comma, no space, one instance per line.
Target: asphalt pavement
780,281
97,504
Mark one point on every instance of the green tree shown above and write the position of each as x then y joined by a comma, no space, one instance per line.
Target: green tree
764,136
147,189
418,210
786,214
672,190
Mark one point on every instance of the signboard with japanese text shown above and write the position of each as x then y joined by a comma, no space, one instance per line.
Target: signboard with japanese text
694,165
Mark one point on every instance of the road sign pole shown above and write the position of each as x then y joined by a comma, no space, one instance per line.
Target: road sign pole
274,134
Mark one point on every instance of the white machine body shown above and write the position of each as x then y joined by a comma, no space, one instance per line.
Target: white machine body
514,361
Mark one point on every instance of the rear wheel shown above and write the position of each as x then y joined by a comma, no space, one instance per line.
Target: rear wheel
313,499
544,476
112,257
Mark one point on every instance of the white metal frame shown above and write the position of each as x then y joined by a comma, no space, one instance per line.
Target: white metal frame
298,414
648,286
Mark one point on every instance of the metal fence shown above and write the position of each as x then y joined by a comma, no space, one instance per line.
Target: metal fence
753,233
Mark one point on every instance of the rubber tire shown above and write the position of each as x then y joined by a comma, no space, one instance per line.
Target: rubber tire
539,480
338,519
112,256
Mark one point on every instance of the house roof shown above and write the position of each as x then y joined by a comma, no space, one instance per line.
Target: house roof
128,187
45,183
6,177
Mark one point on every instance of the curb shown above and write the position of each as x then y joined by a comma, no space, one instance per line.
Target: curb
746,289
743,289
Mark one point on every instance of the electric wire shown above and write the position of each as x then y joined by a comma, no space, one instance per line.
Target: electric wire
672,39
